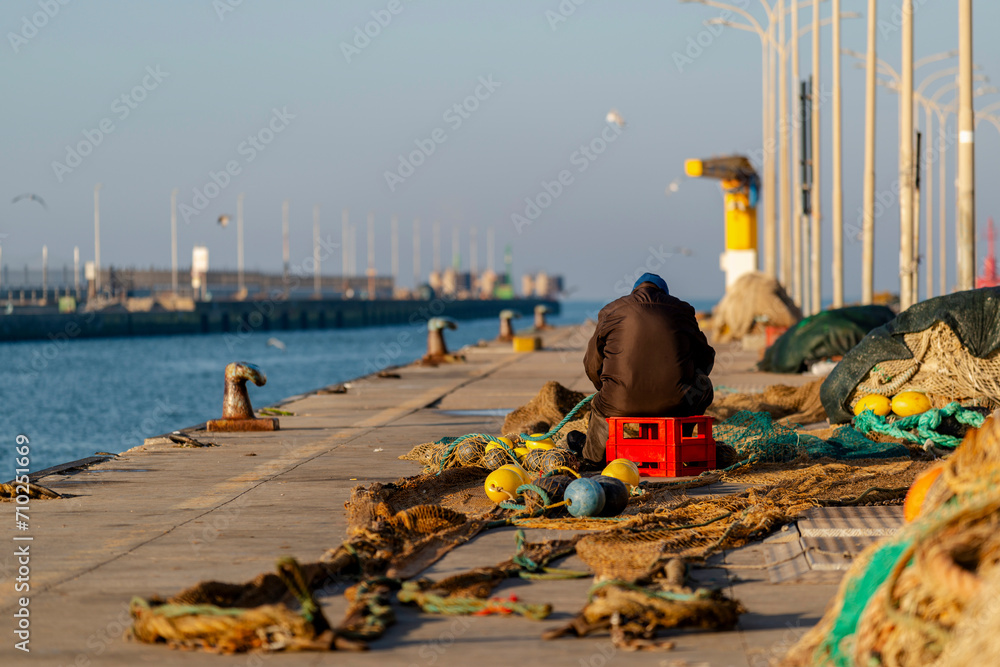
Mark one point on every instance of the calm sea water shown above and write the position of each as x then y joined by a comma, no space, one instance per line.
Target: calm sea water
78,397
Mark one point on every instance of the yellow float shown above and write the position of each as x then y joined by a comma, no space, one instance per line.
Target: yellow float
880,405
522,473
539,444
497,445
501,484
521,452
625,471
910,403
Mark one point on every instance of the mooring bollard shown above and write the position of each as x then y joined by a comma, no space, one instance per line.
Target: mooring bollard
540,322
237,412
507,324
437,351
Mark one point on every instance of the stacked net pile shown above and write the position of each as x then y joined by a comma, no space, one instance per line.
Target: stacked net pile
946,347
941,367
926,595
753,301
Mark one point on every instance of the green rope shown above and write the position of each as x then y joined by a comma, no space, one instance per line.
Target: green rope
565,420
555,574
454,443
700,594
175,610
925,425
464,606
291,575
520,558
510,505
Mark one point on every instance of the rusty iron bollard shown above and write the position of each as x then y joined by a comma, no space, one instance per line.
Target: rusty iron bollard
237,413
437,351
540,322
507,325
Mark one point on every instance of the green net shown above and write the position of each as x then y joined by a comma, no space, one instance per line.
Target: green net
756,435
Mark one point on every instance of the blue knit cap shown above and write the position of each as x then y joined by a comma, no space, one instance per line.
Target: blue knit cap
651,278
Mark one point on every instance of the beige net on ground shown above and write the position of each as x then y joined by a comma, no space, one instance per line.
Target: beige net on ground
941,367
799,405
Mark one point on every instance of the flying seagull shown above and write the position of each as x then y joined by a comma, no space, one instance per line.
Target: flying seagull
29,195
615,117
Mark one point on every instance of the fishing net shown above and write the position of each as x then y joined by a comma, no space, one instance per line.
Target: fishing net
751,302
946,347
757,437
275,612
633,613
695,529
800,405
829,333
918,596
941,367
552,402
459,489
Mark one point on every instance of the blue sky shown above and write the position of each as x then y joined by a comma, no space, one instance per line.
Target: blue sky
347,114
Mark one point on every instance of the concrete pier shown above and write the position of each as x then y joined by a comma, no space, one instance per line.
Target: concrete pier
254,315
159,518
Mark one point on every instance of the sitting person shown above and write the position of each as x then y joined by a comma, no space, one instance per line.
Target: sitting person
647,358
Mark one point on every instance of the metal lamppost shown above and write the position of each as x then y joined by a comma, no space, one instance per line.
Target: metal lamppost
779,47
97,239
241,285
317,258
965,224
173,240
942,112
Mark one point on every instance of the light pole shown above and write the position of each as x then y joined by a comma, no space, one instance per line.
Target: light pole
965,224
285,250
868,219
776,44
906,161
371,256
241,286
317,259
872,65
394,248
416,253
345,223
815,257
942,112
838,193
97,239
173,240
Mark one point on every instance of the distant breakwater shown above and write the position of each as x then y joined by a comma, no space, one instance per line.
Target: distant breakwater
246,317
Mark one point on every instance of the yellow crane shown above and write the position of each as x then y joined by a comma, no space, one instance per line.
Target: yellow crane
740,187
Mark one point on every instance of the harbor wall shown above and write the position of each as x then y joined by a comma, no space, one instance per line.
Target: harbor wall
244,316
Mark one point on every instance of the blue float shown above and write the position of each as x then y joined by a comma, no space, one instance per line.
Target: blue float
584,497
615,495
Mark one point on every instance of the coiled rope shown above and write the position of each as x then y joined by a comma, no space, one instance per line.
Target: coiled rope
925,425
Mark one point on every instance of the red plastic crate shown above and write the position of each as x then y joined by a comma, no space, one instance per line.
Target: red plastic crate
665,446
